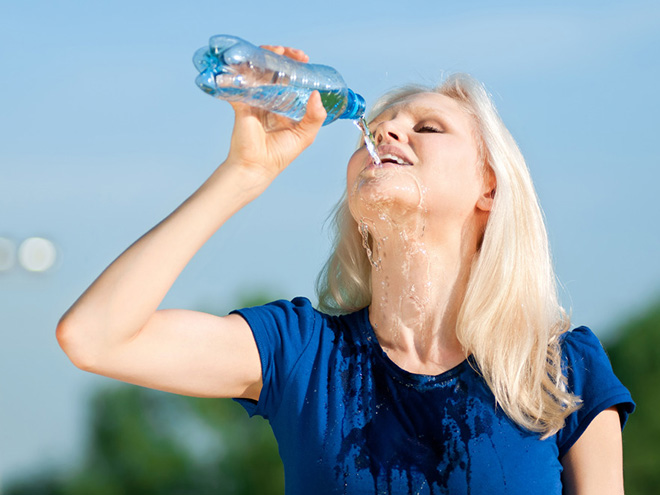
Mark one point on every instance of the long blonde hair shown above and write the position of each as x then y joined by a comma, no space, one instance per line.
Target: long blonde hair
510,320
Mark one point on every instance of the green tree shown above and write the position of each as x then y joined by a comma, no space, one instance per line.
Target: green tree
635,357
152,443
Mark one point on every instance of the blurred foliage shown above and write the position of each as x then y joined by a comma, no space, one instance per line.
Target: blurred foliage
635,358
147,442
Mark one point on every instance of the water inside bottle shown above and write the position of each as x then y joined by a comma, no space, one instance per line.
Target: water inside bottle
369,141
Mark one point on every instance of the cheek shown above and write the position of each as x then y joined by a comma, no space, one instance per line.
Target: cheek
455,182
456,194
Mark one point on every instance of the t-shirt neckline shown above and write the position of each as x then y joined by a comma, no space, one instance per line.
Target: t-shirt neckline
406,376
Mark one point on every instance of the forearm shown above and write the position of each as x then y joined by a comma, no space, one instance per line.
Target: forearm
124,297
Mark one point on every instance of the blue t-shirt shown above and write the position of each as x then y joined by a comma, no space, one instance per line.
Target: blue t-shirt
348,420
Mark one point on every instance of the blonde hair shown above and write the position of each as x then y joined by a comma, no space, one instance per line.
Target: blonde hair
510,320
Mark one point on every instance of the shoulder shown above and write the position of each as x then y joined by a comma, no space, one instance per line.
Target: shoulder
294,341
297,315
586,364
590,376
283,328
282,310
581,339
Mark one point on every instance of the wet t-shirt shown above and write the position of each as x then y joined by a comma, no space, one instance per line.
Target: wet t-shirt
348,420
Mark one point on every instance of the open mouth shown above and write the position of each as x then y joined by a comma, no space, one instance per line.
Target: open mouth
390,158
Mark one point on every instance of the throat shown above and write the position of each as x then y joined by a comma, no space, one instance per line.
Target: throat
417,291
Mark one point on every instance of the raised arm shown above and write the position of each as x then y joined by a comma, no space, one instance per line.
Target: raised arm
114,328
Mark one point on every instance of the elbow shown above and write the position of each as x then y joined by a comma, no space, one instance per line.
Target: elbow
71,339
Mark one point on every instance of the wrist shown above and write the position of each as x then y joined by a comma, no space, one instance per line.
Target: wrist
248,180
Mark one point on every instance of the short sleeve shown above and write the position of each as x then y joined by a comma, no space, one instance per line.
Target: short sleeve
282,331
590,377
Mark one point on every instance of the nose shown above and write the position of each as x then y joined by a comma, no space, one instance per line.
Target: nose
389,130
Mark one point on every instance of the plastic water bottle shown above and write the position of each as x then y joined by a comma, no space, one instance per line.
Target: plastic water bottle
233,69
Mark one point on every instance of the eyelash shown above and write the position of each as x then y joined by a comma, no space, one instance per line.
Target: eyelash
424,128
428,128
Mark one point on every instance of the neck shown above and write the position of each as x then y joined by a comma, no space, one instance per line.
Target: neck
417,289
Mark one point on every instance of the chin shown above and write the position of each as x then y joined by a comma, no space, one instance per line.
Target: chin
386,194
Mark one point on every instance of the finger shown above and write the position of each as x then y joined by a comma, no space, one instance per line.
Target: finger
296,54
315,108
274,48
287,51
314,116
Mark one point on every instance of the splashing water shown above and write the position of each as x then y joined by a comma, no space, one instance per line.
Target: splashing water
369,141
364,231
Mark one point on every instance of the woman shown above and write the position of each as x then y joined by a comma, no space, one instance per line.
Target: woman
447,367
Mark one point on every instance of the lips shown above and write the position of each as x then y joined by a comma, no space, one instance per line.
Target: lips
392,154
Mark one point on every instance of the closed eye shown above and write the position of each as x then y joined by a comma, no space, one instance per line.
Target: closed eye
428,128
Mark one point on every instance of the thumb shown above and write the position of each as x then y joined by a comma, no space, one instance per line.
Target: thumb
314,116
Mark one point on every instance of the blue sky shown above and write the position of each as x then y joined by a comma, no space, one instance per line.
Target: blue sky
103,133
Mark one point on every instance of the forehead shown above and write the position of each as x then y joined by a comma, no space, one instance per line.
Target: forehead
422,104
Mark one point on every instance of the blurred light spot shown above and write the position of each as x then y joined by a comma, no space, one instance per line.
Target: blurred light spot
36,254
7,254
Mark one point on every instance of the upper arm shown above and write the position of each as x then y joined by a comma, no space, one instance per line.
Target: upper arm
594,464
189,353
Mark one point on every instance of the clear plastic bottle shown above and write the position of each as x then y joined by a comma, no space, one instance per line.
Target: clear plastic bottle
233,69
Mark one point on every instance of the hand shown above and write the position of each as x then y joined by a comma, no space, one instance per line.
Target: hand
287,51
265,142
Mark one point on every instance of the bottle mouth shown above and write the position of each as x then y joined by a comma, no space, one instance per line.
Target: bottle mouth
356,106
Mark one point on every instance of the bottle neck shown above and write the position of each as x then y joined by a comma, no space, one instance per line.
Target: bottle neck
355,106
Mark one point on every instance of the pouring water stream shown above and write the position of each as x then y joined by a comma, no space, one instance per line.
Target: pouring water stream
369,141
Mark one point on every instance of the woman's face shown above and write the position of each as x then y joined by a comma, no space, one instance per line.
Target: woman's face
430,165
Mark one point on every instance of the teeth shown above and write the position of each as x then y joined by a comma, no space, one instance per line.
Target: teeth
389,156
